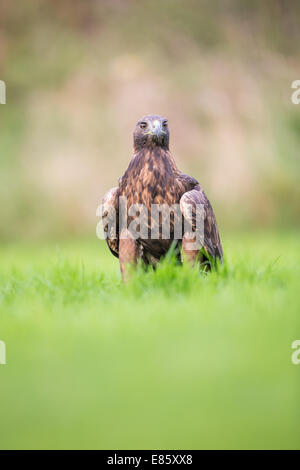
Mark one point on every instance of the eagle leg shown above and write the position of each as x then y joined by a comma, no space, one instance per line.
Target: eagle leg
189,255
128,253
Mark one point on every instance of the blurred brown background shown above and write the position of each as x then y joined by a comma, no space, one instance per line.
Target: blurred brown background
79,74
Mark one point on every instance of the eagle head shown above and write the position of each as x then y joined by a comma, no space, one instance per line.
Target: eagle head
151,130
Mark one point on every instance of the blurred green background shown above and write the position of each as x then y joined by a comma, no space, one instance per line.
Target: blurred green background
176,359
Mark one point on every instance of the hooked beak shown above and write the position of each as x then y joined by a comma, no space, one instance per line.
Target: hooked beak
156,129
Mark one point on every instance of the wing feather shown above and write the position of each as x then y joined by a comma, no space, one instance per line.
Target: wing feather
211,240
110,219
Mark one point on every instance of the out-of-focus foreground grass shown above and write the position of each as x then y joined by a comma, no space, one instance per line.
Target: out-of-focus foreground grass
174,360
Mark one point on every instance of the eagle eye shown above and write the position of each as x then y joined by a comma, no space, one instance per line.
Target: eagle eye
143,125
165,123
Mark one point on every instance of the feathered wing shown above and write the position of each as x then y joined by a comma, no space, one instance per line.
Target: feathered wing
110,219
211,240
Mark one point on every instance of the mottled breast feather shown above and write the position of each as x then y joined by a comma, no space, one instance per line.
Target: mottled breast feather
152,177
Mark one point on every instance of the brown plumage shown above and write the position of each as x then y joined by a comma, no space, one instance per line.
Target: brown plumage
152,177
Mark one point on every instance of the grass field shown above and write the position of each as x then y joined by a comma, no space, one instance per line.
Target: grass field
175,360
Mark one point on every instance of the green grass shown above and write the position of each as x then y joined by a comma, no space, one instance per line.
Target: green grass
174,360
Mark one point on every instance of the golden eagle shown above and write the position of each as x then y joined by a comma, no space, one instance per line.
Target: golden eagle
152,179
